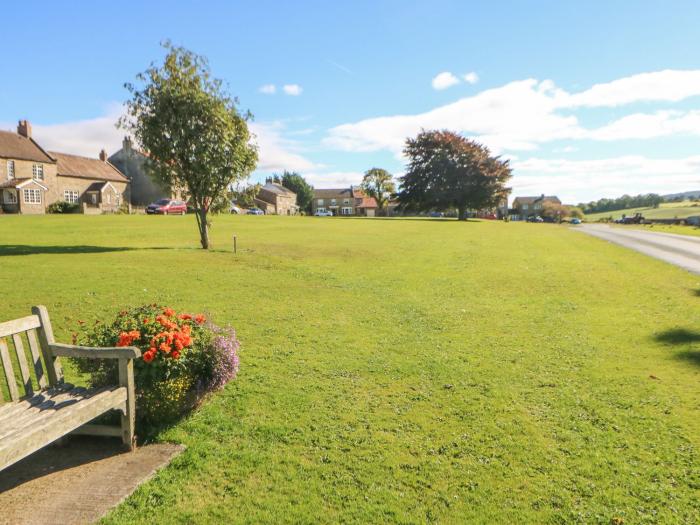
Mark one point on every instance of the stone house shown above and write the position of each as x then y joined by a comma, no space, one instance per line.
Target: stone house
526,207
32,178
275,199
144,189
344,201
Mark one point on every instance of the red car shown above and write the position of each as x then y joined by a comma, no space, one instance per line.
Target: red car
167,207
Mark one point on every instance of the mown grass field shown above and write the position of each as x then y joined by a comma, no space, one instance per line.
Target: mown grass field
667,210
400,370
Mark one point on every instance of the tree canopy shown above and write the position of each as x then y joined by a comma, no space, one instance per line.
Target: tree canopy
446,170
197,140
650,200
305,192
378,183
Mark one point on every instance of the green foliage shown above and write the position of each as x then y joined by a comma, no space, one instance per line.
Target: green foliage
649,200
378,183
63,207
401,370
195,135
244,195
305,192
445,170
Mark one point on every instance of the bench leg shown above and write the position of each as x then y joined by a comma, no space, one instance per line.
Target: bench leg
128,423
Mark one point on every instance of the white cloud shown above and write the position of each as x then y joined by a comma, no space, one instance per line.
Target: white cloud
471,77
444,80
268,89
292,89
576,180
523,114
275,152
334,179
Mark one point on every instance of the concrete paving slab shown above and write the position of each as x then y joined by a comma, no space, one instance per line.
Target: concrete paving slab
78,482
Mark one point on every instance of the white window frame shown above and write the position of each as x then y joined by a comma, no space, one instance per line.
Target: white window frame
10,169
346,210
38,171
333,202
322,210
31,196
320,202
524,206
10,196
346,201
71,196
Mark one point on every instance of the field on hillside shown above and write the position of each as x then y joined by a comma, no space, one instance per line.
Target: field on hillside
399,370
667,210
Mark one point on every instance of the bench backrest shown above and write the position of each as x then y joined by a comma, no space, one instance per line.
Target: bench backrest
36,330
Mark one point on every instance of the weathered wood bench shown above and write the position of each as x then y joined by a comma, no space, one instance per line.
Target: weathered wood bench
55,409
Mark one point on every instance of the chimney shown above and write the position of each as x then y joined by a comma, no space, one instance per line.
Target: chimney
24,128
103,156
126,144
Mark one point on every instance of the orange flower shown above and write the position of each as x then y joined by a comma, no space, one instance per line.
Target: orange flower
149,356
165,348
199,319
146,320
169,312
185,317
175,354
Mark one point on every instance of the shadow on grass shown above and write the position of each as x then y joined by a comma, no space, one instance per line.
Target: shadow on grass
27,249
682,336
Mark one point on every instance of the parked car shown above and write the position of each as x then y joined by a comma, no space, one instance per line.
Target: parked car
235,209
575,220
255,211
167,207
323,213
436,214
535,218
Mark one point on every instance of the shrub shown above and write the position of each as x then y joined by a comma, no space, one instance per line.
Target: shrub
184,357
63,207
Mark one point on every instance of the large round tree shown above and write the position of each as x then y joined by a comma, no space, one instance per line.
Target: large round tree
446,170
197,141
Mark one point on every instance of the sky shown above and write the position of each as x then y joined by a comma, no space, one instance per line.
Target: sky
586,99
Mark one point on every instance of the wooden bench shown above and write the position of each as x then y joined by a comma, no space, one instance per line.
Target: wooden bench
54,409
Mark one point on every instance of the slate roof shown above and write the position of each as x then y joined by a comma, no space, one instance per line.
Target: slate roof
278,189
342,193
532,200
15,146
86,168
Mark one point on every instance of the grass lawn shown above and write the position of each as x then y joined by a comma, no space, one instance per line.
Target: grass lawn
667,210
400,370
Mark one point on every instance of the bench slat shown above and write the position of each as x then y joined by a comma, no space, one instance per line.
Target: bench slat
8,411
23,366
27,410
19,325
36,358
9,370
53,424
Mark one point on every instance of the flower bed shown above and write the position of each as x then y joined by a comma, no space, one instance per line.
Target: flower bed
184,357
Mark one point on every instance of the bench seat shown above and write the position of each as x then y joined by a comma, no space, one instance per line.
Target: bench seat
36,421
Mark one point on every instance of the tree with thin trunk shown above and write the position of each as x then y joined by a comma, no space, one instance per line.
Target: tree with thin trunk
447,171
296,183
196,139
378,183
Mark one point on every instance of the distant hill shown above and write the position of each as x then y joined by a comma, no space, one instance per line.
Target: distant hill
667,210
683,195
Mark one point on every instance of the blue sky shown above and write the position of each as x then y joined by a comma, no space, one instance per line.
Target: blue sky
587,99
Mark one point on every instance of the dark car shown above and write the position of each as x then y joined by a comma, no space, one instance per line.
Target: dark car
167,207
255,211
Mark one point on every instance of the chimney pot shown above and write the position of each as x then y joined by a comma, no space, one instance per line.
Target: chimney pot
24,128
103,156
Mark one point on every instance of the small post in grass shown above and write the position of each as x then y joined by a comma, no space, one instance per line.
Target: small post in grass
234,244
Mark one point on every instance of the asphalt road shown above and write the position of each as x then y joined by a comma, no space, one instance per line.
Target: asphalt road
681,250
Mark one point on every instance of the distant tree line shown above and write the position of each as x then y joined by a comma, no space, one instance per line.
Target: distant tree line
650,200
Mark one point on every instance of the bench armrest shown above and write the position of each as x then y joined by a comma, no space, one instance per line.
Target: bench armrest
112,352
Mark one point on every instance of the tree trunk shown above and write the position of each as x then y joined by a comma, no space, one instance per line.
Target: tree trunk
203,227
462,213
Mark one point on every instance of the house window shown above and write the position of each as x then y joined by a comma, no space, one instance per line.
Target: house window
322,210
346,201
538,206
333,202
320,202
38,171
346,211
524,206
32,196
71,196
10,169
10,197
